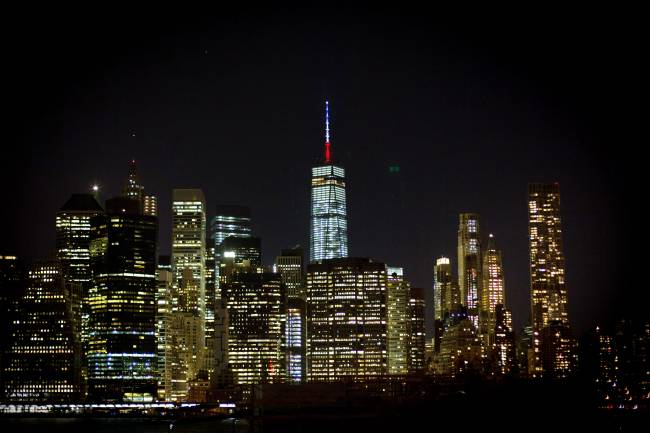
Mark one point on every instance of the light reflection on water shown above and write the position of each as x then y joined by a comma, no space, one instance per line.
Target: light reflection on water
119,425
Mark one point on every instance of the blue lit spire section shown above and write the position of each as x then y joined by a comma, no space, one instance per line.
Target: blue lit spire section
329,231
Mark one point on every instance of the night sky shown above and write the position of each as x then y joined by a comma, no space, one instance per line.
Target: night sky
470,109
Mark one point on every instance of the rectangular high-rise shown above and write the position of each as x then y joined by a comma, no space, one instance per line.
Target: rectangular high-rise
188,248
73,248
329,226
256,308
121,354
346,319
398,320
551,347
493,289
44,359
547,285
469,264
416,330
289,265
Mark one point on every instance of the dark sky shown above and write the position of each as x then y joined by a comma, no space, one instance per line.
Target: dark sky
471,109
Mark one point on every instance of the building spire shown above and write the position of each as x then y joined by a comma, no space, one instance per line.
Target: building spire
328,155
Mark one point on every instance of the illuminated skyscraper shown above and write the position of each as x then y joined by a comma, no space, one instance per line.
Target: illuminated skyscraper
150,205
502,351
398,291
44,362
446,294
12,286
493,289
187,330
295,329
122,343
132,188
329,230
289,265
164,349
256,311
547,276
237,250
460,349
188,248
346,319
416,330
73,245
469,264
229,221
548,290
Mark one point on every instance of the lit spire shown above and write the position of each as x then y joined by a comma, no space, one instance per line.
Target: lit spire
327,132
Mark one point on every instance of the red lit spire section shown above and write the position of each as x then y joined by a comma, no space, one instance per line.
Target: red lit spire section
328,154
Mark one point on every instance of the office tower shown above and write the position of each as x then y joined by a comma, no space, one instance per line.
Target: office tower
12,286
548,290
289,265
132,188
256,309
329,230
73,246
295,329
164,349
346,319
398,320
416,330
188,248
44,361
558,350
150,205
121,354
229,221
502,349
188,275
238,250
469,264
493,289
446,293
460,350
547,276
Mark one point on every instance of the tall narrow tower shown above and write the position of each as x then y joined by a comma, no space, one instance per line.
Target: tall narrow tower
548,291
493,287
132,188
329,229
469,264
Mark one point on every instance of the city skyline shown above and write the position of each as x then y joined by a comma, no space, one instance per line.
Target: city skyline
396,144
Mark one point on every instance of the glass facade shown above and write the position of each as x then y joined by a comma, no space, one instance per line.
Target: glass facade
44,360
73,247
398,320
329,230
346,320
121,353
416,330
547,283
469,264
493,289
256,311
